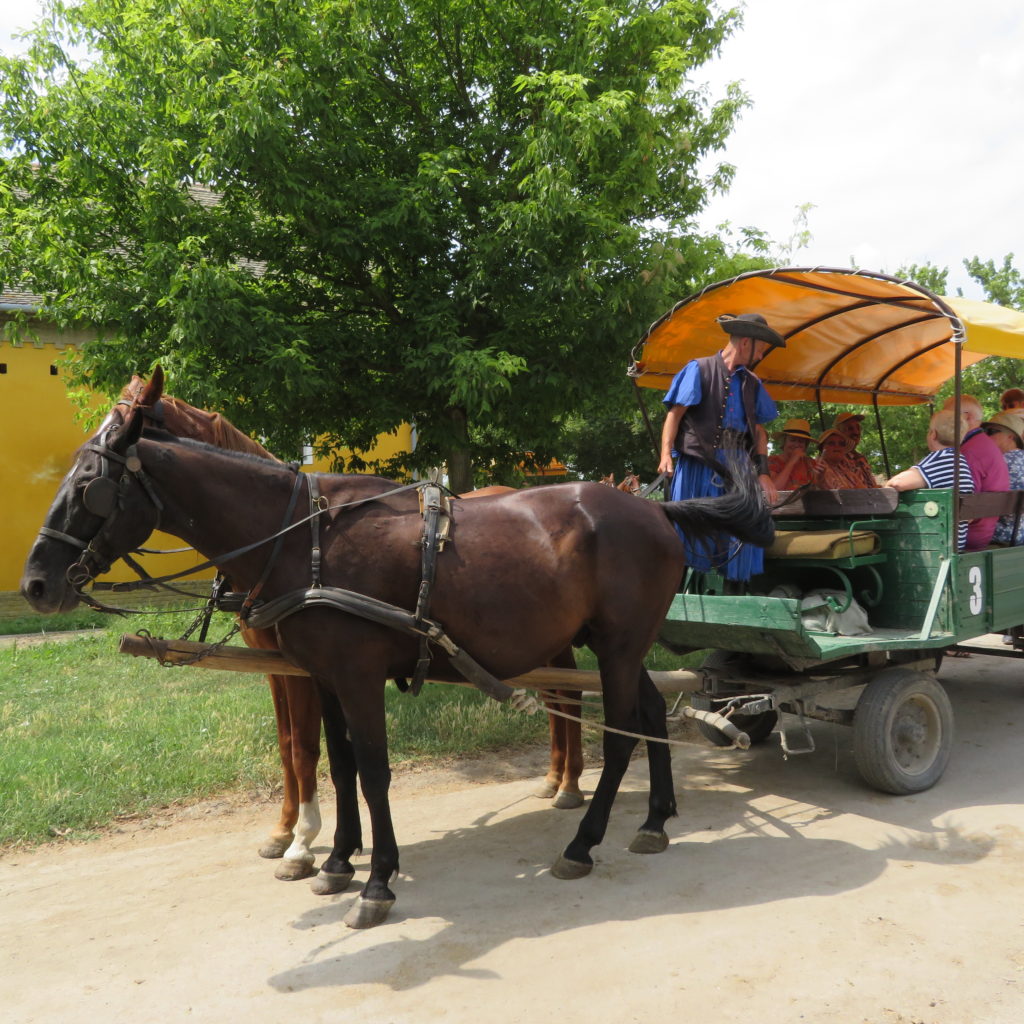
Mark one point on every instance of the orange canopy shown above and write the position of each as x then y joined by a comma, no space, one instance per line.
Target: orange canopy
852,336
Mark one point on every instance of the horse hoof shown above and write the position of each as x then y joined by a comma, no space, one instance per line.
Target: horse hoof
274,848
569,869
545,791
327,884
648,842
566,801
293,870
367,913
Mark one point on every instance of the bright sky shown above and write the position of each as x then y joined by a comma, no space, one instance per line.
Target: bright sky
902,121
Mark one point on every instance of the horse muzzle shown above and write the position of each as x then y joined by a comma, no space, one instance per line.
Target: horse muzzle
44,580
48,595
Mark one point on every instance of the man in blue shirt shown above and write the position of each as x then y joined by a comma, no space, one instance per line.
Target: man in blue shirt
716,406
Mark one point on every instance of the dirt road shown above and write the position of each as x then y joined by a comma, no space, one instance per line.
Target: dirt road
789,893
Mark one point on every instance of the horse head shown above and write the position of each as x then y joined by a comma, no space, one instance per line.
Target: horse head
630,484
103,509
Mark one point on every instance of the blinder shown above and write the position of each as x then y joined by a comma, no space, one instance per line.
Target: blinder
100,496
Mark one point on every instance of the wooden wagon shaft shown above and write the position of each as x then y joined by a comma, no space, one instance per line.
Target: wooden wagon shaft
245,659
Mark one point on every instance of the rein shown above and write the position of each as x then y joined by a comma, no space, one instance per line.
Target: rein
133,467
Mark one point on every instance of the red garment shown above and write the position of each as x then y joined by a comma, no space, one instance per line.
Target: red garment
861,470
801,473
838,476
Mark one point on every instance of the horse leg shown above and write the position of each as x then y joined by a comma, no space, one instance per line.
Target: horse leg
303,710
363,706
651,837
563,778
571,740
621,705
337,871
283,835
556,729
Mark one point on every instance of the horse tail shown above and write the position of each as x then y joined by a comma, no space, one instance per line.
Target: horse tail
740,511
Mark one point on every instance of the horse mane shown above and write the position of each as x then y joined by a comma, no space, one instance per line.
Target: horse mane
218,430
187,421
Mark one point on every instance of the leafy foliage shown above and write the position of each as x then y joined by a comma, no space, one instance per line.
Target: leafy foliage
443,211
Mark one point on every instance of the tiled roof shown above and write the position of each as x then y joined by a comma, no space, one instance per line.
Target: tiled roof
203,196
18,297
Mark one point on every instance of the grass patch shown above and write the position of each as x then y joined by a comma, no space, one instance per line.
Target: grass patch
30,622
88,734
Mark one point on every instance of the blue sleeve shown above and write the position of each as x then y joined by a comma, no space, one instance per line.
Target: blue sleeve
764,408
685,387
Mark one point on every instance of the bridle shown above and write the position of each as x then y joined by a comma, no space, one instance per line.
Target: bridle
104,497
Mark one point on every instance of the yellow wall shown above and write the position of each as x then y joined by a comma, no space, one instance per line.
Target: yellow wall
387,446
39,438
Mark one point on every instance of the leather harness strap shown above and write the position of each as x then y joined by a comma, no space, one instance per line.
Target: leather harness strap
433,504
254,592
436,525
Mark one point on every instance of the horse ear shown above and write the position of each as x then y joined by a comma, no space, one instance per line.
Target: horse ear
154,389
131,429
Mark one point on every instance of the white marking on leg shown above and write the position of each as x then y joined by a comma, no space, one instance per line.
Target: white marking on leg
307,828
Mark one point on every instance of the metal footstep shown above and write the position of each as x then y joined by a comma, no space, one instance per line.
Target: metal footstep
802,728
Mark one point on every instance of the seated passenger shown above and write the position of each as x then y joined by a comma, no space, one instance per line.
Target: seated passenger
1007,430
849,424
792,467
836,471
988,467
1012,400
936,468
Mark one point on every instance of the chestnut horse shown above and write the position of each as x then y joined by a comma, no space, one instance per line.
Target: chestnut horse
296,703
521,577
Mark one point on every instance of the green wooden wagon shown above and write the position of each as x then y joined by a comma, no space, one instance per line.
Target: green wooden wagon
852,338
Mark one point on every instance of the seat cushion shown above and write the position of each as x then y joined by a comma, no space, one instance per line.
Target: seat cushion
824,544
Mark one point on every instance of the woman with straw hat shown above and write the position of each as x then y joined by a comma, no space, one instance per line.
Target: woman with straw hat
792,467
835,469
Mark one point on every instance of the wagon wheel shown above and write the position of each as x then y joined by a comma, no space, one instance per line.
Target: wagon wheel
902,731
758,727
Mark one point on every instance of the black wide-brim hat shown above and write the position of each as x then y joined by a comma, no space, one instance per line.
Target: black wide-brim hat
751,325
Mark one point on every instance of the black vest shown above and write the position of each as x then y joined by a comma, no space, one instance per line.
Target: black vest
700,431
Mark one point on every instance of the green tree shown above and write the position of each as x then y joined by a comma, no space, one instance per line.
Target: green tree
326,218
1003,284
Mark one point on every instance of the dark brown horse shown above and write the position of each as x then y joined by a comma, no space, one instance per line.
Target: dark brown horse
521,578
296,703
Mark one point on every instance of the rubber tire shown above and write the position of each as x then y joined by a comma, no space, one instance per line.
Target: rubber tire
902,731
757,727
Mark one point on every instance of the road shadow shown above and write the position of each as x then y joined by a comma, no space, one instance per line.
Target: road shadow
753,829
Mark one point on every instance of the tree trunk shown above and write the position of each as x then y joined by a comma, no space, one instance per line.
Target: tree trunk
460,467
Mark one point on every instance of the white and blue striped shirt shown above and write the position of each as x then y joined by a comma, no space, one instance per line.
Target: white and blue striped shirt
937,470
